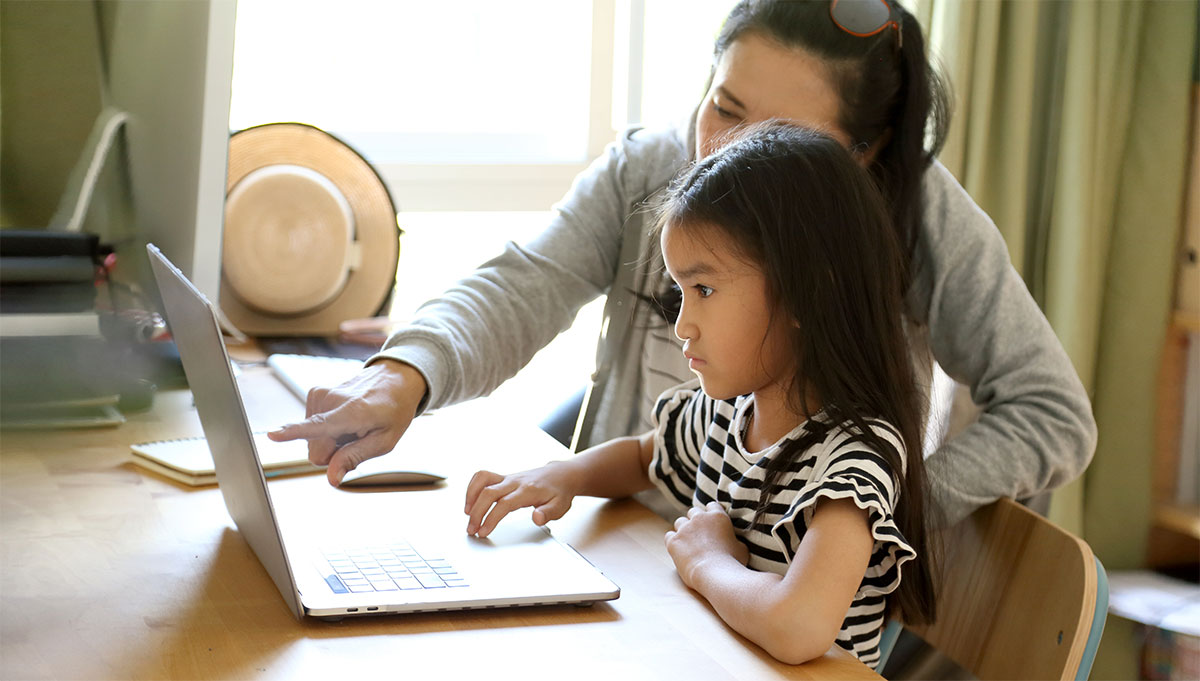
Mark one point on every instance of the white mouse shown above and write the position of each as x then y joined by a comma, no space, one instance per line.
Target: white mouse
389,478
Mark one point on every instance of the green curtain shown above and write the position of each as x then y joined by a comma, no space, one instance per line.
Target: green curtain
1070,130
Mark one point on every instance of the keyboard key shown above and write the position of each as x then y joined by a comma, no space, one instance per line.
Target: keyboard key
387,568
430,581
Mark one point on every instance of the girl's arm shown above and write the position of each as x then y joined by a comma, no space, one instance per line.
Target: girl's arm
614,469
795,617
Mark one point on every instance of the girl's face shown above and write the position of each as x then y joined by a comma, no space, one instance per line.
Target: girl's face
732,340
758,79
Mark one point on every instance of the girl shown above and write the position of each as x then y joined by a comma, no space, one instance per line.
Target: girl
870,86
798,449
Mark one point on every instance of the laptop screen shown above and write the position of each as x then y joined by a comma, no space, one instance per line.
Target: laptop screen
193,325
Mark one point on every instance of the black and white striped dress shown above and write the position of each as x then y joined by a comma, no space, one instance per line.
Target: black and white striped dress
699,456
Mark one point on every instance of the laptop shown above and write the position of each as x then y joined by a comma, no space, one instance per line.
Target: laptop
402,565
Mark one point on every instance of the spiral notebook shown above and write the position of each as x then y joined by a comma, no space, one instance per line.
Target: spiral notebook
189,461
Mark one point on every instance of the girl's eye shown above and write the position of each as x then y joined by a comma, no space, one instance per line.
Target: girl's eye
704,291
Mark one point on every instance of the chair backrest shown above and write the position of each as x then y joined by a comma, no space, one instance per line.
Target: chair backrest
1020,597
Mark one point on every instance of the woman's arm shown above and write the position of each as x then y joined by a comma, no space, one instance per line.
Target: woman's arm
1036,431
484,329
488,326
795,617
614,469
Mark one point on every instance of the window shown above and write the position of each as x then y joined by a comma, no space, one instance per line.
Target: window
475,104
466,82
464,105
670,46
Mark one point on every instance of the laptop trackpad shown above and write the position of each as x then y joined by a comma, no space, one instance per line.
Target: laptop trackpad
511,533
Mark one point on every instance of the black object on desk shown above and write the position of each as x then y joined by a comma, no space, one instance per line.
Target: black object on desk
48,272
322,347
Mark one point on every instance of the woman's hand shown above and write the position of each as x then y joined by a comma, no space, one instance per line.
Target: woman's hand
359,419
548,489
705,533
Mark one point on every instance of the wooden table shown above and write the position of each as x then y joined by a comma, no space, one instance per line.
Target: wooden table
109,571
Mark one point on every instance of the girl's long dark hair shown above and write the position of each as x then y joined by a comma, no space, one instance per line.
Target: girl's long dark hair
888,91
795,203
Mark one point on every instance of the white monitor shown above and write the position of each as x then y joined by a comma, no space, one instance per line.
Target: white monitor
170,67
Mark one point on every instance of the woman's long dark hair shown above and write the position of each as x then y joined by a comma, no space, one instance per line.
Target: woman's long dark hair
888,91
795,203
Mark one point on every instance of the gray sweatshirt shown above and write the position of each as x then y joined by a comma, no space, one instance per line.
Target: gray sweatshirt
967,307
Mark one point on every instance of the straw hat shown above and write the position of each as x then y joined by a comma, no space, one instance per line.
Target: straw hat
311,237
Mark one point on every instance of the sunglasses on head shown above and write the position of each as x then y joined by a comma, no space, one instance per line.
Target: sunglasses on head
865,18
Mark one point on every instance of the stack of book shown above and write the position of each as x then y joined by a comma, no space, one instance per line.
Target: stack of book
48,283
56,368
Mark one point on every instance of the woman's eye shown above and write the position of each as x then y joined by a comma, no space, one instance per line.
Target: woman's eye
704,291
723,113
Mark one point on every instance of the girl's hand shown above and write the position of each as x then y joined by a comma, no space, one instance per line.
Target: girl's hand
704,534
548,489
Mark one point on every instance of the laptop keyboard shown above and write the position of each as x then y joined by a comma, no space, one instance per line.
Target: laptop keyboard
395,567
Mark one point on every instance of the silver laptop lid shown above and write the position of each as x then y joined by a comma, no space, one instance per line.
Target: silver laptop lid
194,327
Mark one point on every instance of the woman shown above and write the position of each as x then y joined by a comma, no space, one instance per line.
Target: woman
828,66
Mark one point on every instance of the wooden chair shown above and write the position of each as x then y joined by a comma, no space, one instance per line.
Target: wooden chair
1020,598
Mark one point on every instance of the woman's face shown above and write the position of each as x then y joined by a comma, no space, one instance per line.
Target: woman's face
758,79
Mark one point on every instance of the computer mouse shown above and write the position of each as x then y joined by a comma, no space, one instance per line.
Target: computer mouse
390,478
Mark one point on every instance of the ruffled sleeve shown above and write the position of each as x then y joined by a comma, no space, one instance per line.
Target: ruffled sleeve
679,433
852,470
